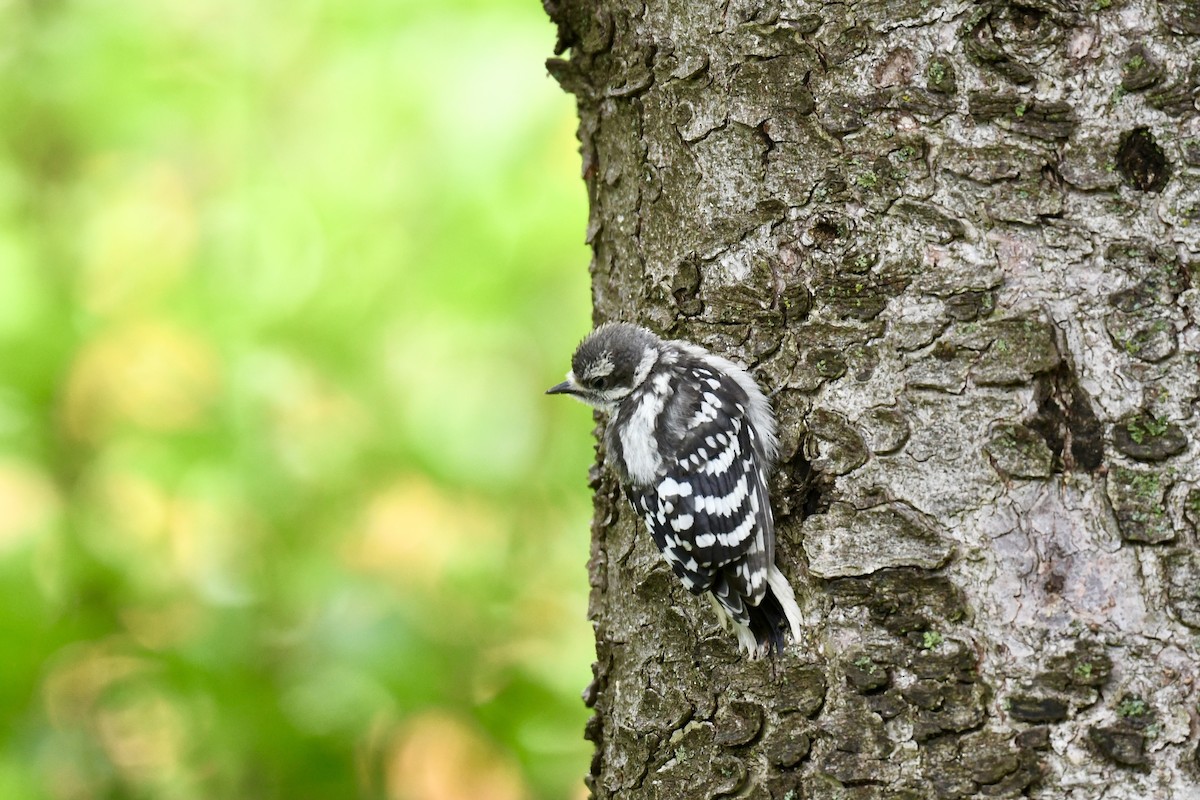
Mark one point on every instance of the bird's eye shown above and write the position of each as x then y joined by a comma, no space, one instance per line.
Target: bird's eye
596,384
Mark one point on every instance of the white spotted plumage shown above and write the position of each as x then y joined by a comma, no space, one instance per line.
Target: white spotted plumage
693,439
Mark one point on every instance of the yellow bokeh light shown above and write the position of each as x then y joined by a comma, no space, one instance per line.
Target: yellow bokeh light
437,756
152,374
412,532
28,502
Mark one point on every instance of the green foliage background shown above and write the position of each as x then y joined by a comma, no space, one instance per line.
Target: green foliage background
283,511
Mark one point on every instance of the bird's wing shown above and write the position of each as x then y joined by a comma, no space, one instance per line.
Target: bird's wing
709,511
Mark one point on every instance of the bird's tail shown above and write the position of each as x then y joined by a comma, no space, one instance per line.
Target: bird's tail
769,624
777,617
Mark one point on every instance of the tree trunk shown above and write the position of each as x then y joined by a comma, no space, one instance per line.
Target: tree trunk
957,244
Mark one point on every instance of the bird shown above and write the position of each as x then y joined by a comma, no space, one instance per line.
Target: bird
692,439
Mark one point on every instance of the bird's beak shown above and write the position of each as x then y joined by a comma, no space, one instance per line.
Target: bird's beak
561,388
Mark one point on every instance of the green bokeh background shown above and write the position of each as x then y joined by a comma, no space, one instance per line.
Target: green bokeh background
283,511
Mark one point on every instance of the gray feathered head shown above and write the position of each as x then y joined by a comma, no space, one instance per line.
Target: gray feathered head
610,363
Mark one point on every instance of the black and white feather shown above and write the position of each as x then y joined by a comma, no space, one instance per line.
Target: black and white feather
693,440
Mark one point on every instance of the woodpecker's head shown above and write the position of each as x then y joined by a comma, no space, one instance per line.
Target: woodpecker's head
610,363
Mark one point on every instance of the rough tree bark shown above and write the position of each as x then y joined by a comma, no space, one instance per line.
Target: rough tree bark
958,243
